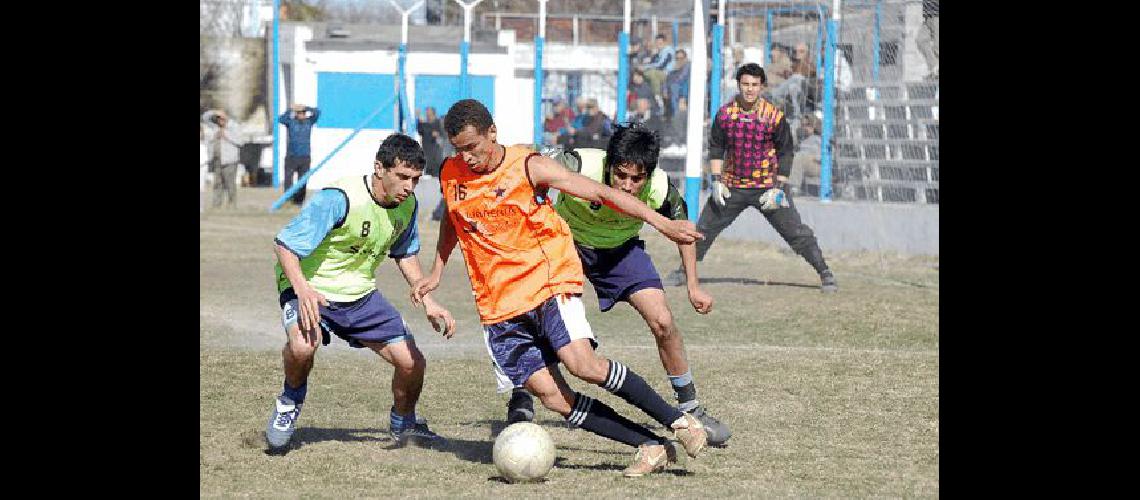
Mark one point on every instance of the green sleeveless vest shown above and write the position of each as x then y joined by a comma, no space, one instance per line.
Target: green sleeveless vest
343,266
599,226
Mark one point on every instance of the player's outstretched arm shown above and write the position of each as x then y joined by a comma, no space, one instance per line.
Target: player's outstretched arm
308,299
439,316
545,172
700,299
443,248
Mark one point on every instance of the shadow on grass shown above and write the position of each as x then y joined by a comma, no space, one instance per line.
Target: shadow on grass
751,281
471,451
306,435
671,469
497,426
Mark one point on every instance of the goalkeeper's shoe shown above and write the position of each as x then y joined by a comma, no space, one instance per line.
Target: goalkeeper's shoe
827,282
282,422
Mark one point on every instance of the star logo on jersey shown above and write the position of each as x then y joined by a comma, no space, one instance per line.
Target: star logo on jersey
595,205
499,192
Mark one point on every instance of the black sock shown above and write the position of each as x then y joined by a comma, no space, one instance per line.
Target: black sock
595,416
632,388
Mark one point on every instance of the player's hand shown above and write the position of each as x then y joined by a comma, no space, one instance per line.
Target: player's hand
310,300
423,287
701,300
773,199
439,317
720,191
681,231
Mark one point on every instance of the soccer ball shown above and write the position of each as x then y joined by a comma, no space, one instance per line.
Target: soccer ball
523,452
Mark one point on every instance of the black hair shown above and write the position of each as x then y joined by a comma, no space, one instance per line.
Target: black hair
467,112
660,36
752,69
402,147
632,143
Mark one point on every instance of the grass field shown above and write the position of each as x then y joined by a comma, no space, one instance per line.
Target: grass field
827,395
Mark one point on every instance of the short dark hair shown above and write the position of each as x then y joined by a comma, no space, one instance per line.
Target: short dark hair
467,112
682,51
633,143
402,147
660,36
752,69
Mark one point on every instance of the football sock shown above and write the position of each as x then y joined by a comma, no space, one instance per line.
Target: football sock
632,388
686,391
399,422
298,394
595,416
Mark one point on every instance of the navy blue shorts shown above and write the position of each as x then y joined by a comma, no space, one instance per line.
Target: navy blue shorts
530,341
370,318
618,272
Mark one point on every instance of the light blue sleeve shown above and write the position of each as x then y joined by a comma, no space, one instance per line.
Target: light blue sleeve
409,243
325,211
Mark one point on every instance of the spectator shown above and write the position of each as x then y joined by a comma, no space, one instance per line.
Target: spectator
787,88
297,155
224,140
432,139
203,166
557,123
595,130
803,64
779,68
660,63
643,113
430,128
638,55
806,162
639,88
928,37
677,81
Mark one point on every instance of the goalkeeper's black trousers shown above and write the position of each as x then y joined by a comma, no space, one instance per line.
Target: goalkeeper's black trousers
786,221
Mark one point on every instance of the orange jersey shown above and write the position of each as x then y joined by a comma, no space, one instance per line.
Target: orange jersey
518,250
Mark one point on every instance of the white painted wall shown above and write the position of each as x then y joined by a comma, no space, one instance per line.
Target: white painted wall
513,115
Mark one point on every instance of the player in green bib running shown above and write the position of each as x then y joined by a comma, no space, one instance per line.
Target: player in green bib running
615,261
326,276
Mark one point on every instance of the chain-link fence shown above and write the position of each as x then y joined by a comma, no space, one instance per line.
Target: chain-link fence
881,141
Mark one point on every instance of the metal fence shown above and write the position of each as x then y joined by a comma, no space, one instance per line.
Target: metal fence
881,137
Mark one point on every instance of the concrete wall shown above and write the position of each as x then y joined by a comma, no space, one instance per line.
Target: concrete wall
842,226
839,226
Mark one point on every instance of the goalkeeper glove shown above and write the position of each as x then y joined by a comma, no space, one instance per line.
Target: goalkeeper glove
719,190
774,198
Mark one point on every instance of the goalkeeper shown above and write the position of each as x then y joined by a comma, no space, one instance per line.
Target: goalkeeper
615,260
750,155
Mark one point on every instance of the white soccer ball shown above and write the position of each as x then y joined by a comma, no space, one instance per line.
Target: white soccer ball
523,452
